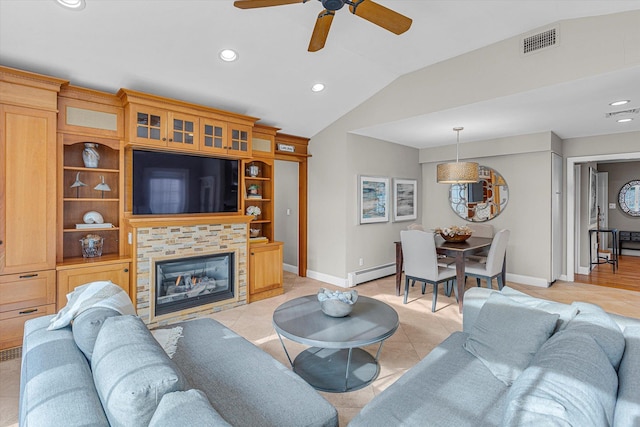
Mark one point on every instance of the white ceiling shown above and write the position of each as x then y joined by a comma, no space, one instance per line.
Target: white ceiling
170,48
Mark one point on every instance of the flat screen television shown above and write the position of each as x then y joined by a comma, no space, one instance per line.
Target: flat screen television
176,183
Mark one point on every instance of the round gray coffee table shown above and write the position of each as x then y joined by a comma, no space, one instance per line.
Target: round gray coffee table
335,362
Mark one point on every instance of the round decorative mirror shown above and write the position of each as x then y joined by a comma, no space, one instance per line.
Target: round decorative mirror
482,200
629,198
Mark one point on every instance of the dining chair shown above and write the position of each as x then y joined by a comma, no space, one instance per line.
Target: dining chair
421,264
492,269
480,230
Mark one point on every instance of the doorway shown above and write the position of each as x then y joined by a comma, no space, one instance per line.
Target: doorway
576,234
286,213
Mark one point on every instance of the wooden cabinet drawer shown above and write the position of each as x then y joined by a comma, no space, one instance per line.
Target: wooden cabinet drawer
12,323
22,290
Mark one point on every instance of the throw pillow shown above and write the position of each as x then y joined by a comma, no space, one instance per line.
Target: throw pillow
131,371
86,326
594,321
186,408
507,334
570,382
566,311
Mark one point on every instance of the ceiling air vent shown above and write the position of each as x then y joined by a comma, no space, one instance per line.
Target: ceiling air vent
541,40
623,112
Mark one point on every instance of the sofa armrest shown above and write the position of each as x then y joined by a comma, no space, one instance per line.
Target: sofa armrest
474,299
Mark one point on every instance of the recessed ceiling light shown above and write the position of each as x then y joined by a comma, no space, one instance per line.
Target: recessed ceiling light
228,55
621,102
72,4
624,120
318,87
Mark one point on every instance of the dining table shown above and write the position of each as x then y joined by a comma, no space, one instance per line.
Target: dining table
456,250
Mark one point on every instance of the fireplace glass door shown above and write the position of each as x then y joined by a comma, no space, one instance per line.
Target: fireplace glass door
190,282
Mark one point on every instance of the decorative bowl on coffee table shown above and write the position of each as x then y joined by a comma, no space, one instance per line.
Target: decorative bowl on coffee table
337,303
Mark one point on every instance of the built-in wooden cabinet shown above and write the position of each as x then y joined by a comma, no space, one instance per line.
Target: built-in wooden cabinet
24,296
265,260
258,193
72,275
159,122
265,271
220,137
96,118
28,108
80,195
162,128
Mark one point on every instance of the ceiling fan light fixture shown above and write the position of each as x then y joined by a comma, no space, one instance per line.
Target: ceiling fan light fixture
317,87
228,55
458,172
620,102
72,4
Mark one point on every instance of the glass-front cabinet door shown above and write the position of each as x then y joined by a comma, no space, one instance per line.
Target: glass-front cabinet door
183,131
214,136
240,137
150,126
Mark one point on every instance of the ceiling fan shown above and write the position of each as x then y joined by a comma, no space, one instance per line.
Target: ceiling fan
367,9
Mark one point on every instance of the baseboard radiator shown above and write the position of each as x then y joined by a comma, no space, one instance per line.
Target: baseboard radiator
369,274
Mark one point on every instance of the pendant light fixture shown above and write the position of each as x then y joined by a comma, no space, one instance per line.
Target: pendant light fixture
458,172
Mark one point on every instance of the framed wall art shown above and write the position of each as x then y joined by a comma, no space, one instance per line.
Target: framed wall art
374,199
405,199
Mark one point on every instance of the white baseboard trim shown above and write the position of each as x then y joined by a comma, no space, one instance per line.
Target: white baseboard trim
290,268
332,280
583,270
528,280
345,283
630,252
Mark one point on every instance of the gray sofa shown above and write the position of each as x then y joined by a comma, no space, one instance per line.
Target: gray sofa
520,361
121,376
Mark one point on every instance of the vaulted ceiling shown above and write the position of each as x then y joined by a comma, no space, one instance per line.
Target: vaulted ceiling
171,48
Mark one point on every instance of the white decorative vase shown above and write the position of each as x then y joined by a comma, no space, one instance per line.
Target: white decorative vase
254,171
90,155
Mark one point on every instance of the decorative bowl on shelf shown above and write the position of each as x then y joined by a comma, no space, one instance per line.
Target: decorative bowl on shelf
336,303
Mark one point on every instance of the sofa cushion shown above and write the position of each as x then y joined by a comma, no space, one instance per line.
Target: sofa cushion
594,321
497,336
244,384
86,326
566,312
186,408
131,371
449,387
627,413
56,385
570,382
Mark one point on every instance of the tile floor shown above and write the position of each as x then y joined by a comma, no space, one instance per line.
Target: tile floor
419,332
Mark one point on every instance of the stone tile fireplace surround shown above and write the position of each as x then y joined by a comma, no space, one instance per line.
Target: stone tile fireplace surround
162,239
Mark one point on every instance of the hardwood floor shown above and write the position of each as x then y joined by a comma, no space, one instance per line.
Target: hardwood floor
627,276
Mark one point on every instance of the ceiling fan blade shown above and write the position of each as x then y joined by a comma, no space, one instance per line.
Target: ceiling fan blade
381,16
250,4
321,31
